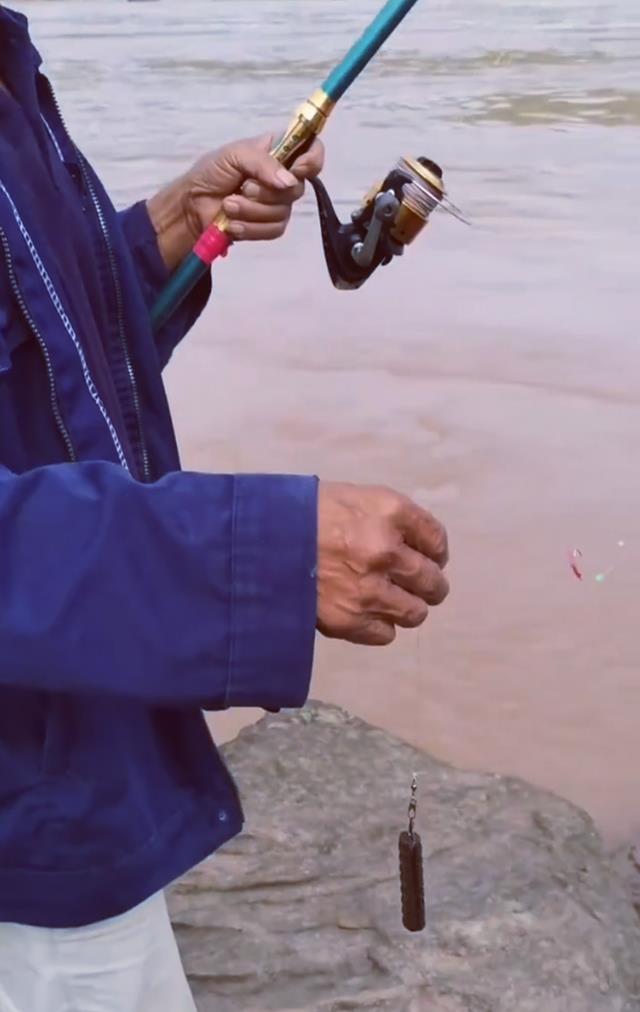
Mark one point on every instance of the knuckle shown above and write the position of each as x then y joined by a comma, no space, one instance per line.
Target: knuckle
443,591
384,493
383,556
440,542
421,614
373,592
434,586
251,190
394,501
401,510
382,633
369,596
377,546
418,572
417,614
243,150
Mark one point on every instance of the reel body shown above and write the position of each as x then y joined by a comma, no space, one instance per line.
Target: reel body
392,215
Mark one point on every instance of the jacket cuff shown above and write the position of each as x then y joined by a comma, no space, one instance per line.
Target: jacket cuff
273,591
153,275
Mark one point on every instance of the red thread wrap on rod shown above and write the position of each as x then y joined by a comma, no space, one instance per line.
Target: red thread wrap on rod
212,244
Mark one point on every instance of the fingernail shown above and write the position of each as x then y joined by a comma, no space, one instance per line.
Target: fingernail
251,190
237,229
285,179
231,206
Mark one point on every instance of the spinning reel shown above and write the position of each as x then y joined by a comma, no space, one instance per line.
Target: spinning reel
391,216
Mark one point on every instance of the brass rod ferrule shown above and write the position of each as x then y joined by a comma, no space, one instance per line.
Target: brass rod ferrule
309,120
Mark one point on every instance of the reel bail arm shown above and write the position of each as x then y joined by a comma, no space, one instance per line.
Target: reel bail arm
392,215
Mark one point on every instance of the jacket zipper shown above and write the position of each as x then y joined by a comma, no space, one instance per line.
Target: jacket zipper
113,267
120,315
53,394
68,326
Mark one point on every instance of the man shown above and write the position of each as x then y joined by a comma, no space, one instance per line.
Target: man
134,596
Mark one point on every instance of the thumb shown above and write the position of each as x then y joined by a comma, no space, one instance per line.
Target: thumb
252,160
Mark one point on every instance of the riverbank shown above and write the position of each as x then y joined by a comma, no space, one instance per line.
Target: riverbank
302,913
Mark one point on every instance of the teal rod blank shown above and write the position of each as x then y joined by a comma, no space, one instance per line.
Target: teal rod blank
366,47
183,281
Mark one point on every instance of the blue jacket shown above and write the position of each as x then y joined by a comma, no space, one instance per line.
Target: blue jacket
132,595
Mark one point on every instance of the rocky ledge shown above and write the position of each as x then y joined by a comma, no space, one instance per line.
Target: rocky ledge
301,913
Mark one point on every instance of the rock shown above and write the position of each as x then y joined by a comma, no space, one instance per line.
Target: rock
627,862
301,913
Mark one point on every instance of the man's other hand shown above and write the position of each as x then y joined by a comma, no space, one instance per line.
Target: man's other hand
380,563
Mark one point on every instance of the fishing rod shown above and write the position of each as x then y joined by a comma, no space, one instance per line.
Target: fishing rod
392,215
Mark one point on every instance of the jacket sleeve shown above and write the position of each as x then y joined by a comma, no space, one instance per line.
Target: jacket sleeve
195,590
152,274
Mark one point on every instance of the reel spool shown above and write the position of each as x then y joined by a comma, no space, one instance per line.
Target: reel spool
391,216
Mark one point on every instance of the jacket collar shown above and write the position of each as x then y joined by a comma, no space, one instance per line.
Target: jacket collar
15,43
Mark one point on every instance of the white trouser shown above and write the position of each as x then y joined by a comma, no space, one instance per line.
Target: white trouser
128,964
